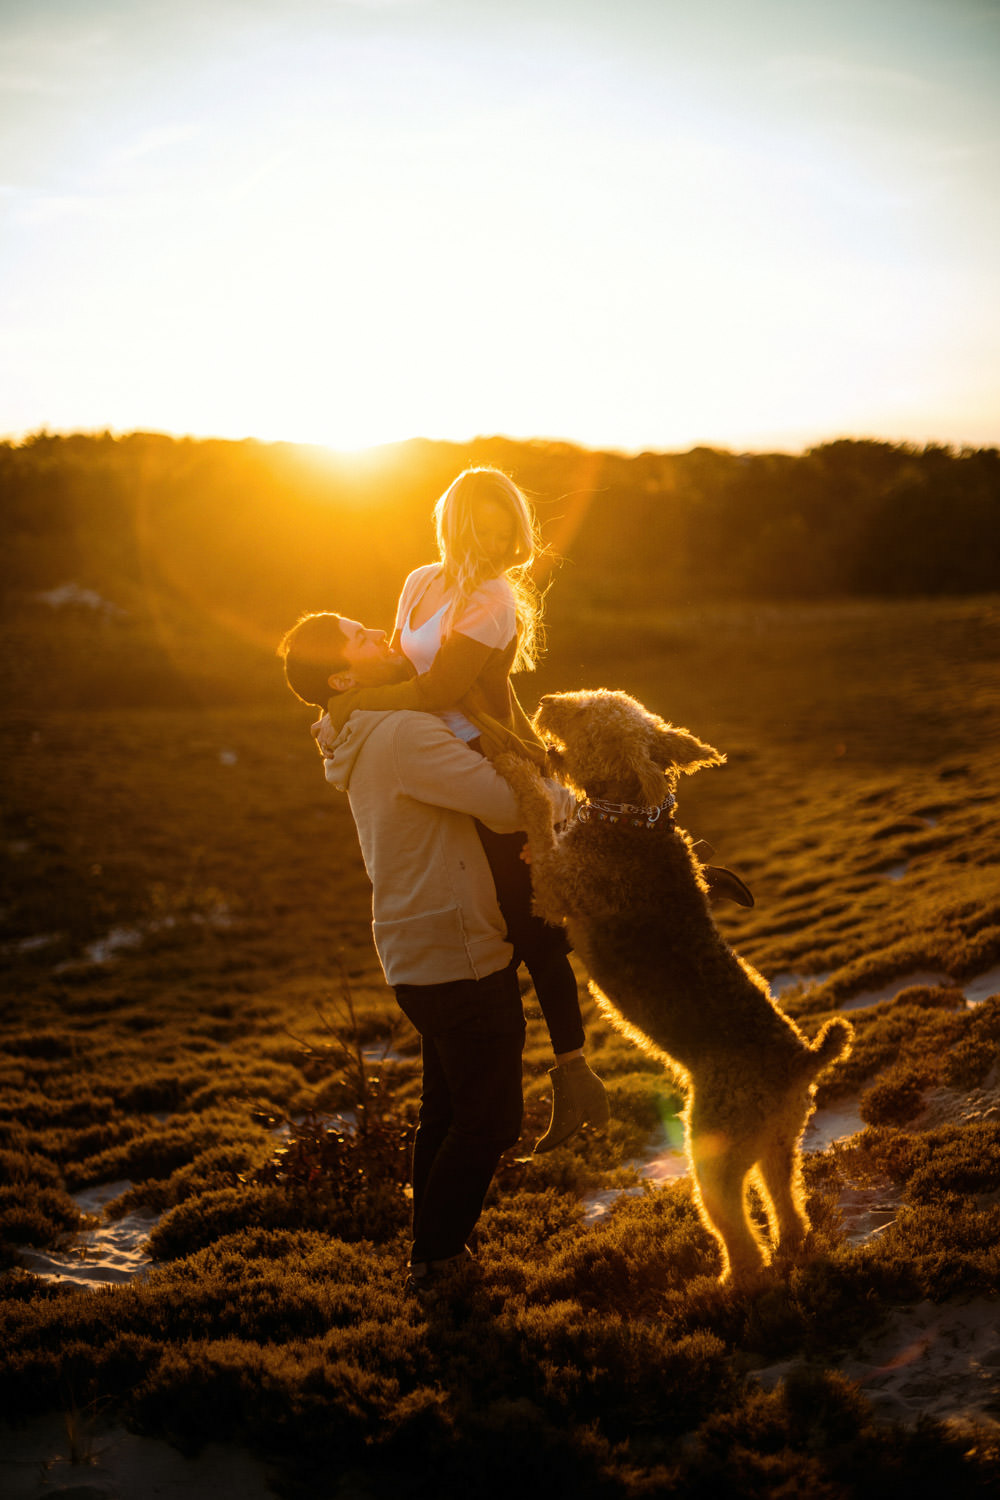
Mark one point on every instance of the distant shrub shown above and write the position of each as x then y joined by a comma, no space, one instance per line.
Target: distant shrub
517,1226
909,1037
824,1408
961,1159
981,945
225,1389
950,1247
157,1150
79,1371
218,1167
934,1165
929,997
39,1044
627,1261
78,1106
163,1090
820,1304
350,1205
975,1054
814,1435
28,1167
618,1374
897,1097
31,1215
73,1146
643,1099
199,1221
506,1446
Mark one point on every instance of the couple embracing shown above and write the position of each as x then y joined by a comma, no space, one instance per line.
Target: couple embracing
411,727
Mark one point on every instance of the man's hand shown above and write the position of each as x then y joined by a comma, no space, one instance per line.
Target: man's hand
324,734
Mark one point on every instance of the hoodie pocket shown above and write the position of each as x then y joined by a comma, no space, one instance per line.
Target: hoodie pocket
424,949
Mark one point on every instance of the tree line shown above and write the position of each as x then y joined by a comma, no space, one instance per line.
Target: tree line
276,528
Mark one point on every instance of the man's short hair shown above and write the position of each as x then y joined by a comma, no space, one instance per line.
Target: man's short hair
312,651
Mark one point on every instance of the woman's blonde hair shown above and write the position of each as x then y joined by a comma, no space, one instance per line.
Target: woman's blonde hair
466,565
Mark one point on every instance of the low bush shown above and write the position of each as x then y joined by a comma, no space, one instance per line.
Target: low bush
897,1096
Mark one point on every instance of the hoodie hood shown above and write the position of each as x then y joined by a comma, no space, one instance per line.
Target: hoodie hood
338,764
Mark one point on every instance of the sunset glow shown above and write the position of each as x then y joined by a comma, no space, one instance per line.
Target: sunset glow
621,225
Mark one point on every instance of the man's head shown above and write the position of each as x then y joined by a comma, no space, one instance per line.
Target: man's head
326,654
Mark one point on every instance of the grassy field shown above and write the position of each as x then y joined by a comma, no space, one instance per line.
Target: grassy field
184,911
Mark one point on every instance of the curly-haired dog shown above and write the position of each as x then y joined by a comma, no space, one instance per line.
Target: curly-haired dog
623,877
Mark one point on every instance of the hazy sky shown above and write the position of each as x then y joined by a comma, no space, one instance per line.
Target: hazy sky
632,223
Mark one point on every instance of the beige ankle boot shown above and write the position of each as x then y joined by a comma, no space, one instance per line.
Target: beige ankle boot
578,1098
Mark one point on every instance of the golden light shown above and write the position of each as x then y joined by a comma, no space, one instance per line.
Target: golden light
356,233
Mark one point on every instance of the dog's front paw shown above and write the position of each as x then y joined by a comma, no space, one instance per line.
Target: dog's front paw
514,768
523,780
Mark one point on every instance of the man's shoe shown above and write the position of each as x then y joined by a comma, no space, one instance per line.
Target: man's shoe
578,1098
430,1279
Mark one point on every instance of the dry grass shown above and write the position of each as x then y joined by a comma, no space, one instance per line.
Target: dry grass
861,739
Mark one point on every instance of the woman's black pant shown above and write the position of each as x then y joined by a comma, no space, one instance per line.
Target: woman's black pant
541,948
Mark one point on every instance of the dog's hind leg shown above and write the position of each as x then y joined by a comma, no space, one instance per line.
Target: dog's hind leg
780,1169
720,1181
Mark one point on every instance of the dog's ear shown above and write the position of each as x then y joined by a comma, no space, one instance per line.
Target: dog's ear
677,750
654,782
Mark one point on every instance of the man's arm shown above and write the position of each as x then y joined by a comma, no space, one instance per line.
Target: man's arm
435,767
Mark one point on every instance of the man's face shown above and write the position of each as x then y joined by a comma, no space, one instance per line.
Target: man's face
369,660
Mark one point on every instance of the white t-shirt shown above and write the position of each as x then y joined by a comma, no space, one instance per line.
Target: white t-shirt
489,617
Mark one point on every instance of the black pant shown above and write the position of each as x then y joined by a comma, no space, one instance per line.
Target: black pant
472,1037
541,948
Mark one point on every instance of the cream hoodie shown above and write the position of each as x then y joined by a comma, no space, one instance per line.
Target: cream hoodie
414,790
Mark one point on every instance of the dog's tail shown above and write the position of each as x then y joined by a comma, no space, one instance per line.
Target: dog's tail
834,1040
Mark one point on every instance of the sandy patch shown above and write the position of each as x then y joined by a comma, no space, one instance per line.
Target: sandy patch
983,987
383,1052
893,987
977,989
945,1106
109,1253
34,944
789,981
596,1205
75,596
865,1212
36,1464
835,1123
106,949
935,1360
663,1162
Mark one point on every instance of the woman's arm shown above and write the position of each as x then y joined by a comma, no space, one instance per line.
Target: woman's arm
452,673
523,727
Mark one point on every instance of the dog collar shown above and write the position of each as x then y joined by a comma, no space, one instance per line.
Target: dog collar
625,812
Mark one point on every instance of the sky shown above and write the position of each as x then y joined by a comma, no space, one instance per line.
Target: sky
631,224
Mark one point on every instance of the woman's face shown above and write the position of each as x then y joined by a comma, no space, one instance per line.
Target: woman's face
493,525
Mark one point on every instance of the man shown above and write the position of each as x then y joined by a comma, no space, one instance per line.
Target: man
414,790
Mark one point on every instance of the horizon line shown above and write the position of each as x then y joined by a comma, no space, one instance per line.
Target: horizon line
26,436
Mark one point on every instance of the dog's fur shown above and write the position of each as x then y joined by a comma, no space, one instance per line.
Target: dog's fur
635,904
